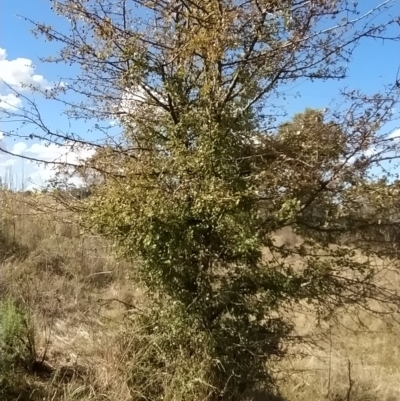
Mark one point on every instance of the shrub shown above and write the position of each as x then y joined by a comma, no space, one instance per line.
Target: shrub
17,345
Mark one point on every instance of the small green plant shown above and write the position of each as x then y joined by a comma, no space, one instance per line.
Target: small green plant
11,327
17,344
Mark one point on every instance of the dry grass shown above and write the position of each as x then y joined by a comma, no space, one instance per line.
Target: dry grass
357,357
65,279
81,296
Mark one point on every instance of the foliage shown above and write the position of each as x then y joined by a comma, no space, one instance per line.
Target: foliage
17,346
200,180
172,357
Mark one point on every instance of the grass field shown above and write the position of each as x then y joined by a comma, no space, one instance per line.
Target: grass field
75,299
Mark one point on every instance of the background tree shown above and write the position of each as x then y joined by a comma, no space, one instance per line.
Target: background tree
199,181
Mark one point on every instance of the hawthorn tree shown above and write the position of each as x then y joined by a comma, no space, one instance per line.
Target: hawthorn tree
202,173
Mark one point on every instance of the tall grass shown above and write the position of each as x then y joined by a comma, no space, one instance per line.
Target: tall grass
83,304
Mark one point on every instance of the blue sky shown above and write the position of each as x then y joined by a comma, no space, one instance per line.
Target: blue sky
375,64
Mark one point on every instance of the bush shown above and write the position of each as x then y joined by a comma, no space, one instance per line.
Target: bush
172,357
17,345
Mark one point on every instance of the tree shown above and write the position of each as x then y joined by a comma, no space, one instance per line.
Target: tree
200,181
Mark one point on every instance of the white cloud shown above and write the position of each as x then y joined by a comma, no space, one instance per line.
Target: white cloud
395,134
9,101
69,153
32,175
136,99
19,148
3,144
19,73
132,99
7,163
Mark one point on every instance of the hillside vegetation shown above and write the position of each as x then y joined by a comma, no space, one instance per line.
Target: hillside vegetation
224,246
67,308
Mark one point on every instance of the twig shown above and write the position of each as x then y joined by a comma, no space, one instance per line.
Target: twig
126,304
351,381
330,358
